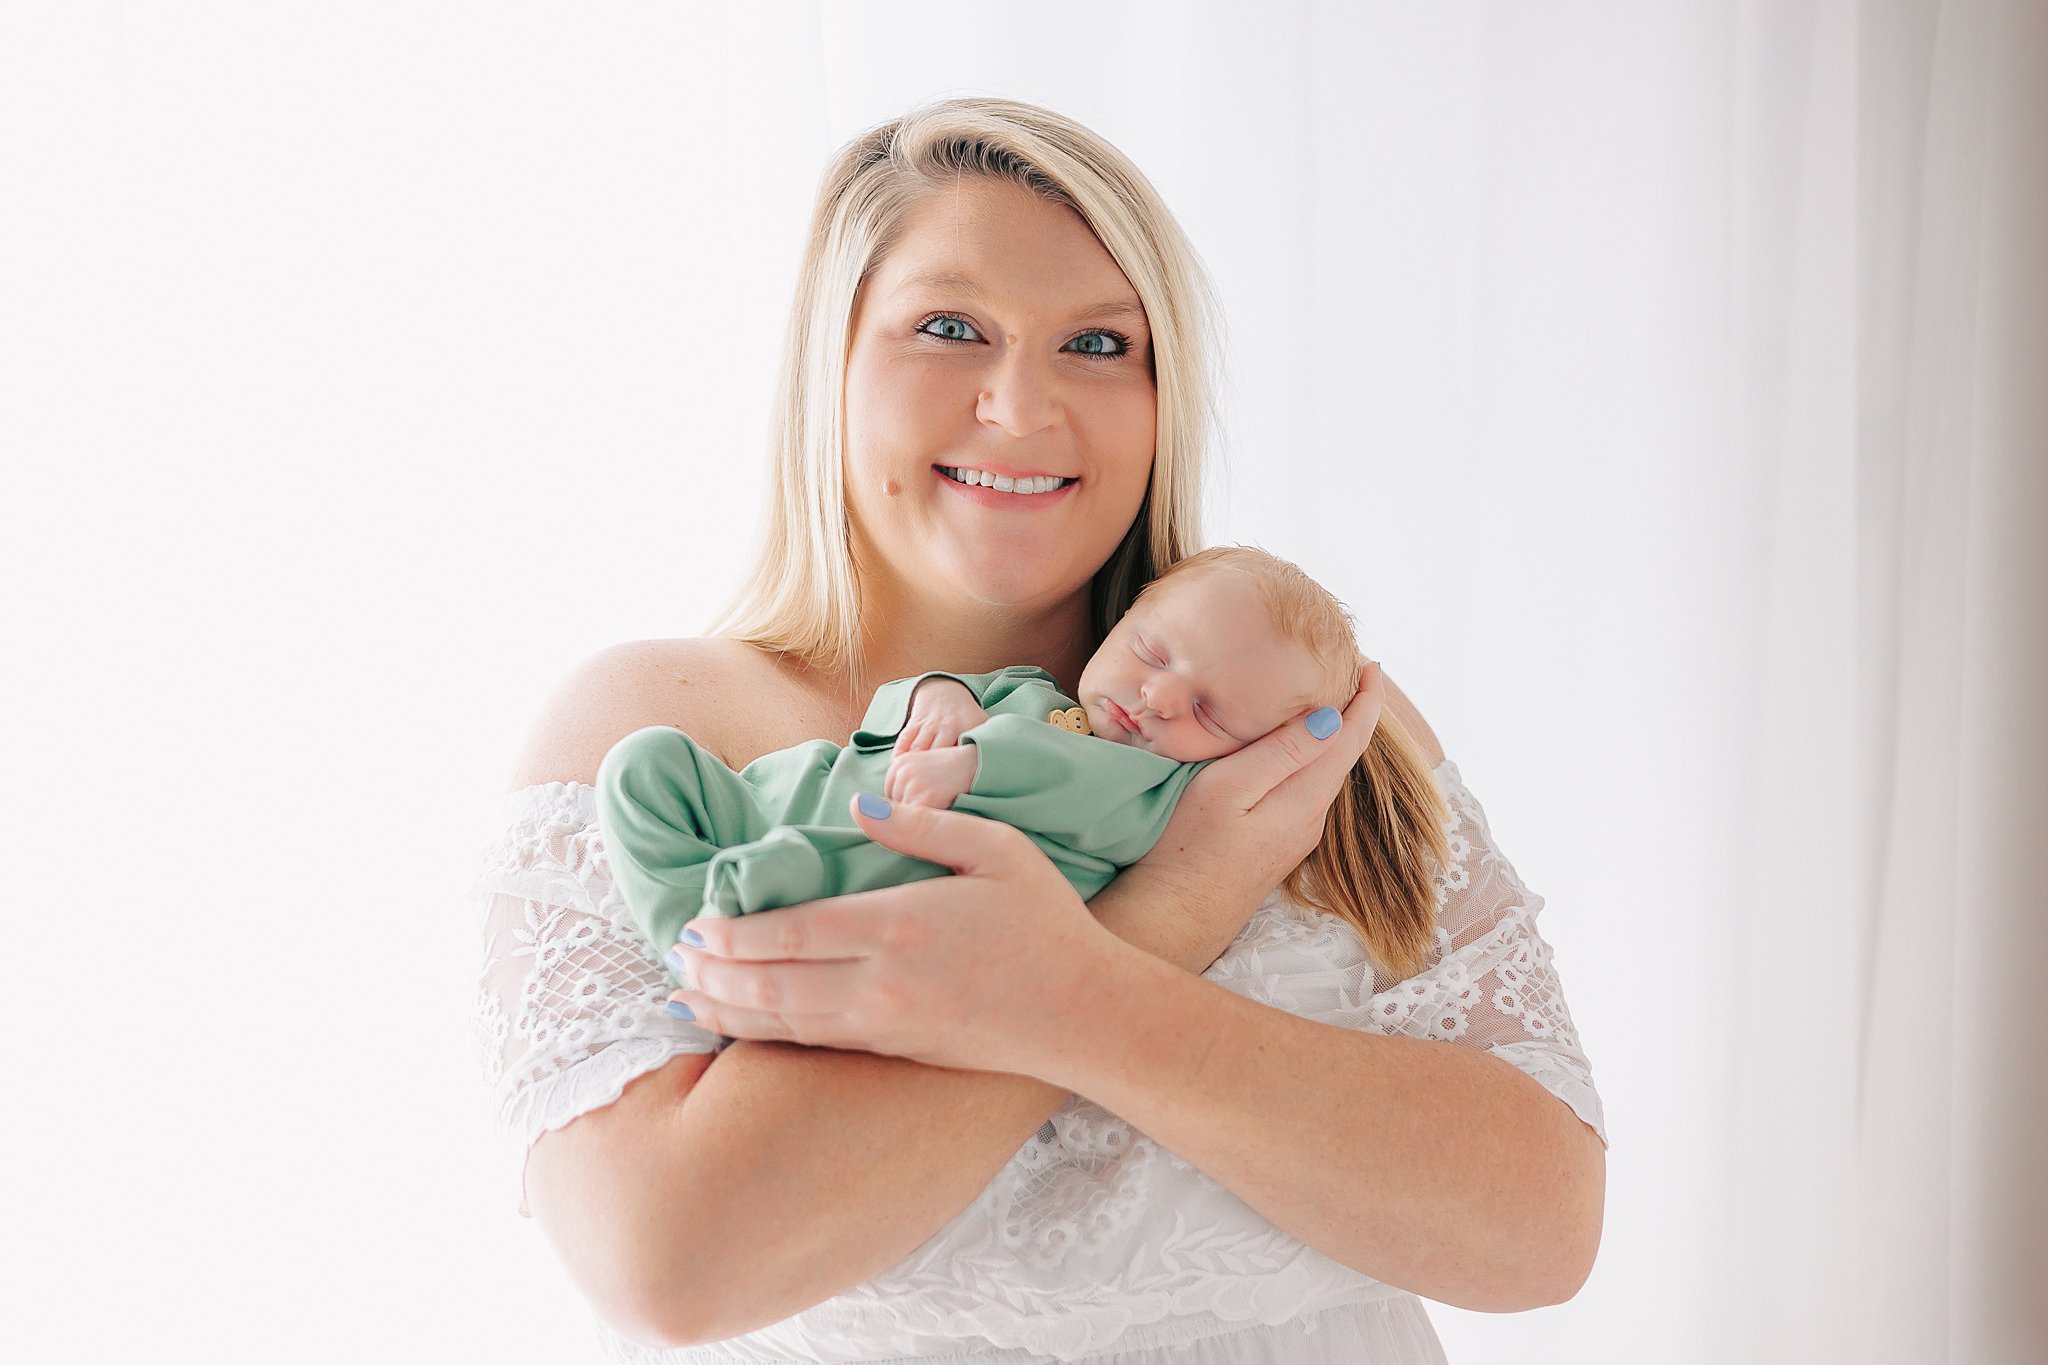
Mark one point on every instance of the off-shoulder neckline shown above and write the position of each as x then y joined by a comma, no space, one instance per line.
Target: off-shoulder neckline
572,786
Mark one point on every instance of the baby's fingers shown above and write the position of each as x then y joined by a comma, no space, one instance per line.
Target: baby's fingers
918,793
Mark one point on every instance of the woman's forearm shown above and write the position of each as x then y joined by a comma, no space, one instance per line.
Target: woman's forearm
810,1170
1427,1165
829,1167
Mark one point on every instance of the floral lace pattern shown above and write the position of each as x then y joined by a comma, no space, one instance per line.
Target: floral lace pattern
569,1002
1092,1230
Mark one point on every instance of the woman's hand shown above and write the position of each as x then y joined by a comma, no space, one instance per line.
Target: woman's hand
1249,818
941,710
972,971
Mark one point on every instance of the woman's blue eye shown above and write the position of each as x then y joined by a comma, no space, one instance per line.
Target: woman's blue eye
1123,343
947,327
960,323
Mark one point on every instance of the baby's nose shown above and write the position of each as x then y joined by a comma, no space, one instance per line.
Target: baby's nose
1160,696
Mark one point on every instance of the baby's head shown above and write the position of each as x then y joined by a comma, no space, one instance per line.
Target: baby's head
1217,651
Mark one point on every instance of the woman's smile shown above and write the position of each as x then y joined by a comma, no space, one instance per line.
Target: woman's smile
1007,498
997,340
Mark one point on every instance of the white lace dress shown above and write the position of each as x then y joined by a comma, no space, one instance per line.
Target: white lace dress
1094,1242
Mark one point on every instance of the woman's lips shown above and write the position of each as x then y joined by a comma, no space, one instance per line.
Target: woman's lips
1011,502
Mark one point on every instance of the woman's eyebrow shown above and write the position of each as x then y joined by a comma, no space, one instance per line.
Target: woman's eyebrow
955,282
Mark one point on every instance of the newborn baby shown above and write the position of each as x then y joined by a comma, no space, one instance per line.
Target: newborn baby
1221,649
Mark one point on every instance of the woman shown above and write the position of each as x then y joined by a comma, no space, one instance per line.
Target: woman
973,1112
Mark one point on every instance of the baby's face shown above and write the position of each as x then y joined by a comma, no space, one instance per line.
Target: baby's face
1195,671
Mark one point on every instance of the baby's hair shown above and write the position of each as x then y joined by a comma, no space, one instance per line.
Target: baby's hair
1387,831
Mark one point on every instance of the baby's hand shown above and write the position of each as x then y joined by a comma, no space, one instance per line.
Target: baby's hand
941,710
932,777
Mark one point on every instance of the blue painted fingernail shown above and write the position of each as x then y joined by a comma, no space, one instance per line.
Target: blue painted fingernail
1324,722
680,1010
675,960
693,938
872,806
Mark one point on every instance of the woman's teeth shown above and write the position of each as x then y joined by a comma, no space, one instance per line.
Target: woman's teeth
1003,483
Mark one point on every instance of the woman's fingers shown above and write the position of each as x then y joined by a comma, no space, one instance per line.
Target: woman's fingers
791,1001
831,930
960,971
1262,766
732,1021
1325,771
849,926
968,844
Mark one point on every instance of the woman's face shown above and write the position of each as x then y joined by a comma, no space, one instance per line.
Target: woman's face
997,336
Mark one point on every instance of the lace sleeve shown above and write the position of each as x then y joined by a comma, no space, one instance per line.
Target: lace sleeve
569,1002
1491,983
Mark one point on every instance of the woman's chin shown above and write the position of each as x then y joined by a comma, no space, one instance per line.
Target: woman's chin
1014,586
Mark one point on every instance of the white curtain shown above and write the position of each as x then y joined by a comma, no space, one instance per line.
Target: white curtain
1664,384
1950,1194
1889,1202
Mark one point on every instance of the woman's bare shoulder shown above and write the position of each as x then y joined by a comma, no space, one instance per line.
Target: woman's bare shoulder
625,687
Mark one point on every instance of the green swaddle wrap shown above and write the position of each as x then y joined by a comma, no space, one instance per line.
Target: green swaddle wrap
686,835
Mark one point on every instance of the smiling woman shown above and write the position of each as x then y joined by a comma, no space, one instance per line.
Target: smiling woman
1187,1116
996,371
977,344
1029,482
990,287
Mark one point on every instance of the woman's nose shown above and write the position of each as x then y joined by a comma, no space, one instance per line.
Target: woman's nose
1020,398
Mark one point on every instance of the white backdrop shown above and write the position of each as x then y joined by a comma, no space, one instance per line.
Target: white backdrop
1660,383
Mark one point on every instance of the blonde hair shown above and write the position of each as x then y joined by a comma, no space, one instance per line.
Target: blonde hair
1388,828
802,596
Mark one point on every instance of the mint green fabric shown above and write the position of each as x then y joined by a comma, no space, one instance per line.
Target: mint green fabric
686,835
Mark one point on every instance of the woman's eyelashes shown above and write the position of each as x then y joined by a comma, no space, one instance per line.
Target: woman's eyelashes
961,324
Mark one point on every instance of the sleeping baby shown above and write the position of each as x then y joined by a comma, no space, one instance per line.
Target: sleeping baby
1227,645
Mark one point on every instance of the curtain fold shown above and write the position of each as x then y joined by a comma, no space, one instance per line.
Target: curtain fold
1953,1199
1889,356
1889,1203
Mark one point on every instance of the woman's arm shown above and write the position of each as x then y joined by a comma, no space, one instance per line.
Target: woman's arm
864,1140
832,1166
828,1165
1428,1165
671,1180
